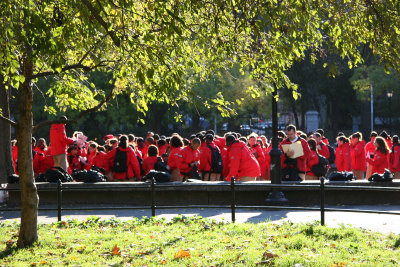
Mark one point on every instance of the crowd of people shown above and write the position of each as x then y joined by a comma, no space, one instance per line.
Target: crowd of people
209,157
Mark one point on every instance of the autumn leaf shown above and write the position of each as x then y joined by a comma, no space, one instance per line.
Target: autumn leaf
182,254
163,262
43,262
9,243
116,251
269,255
333,245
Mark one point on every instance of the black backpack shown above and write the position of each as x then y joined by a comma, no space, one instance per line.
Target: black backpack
160,177
160,165
54,174
321,168
332,155
216,160
387,176
93,176
79,176
120,161
140,160
341,176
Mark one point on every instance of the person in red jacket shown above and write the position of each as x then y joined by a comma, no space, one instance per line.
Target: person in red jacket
370,150
39,165
312,159
395,157
322,147
243,165
14,153
323,138
59,143
267,149
190,160
176,144
380,161
358,162
387,138
205,167
151,160
343,154
92,152
131,171
257,151
101,161
301,161
49,160
162,146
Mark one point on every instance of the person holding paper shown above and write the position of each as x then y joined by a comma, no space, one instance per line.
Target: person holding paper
293,159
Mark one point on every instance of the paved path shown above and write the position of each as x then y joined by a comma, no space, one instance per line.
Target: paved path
376,222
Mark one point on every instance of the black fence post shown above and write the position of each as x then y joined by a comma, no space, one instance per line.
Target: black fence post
153,207
233,204
322,201
59,199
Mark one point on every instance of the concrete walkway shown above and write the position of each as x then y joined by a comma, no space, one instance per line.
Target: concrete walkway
376,222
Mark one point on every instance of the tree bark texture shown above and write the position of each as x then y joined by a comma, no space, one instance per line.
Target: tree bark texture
6,164
29,197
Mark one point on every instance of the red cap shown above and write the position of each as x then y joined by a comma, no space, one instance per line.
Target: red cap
108,136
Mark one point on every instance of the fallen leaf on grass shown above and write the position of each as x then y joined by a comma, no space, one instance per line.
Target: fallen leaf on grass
339,264
43,262
333,245
163,262
116,251
9,243
182,254
269,255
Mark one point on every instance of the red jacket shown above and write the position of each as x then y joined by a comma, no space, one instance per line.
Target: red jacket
162,149
132,162
39,159
188,155
241,161
395,159
311,161
343,158
174,157
205,157
225,161
14,153
379,163
358,161
90,157
325,140
324,151
148,164
257,150
301,161
143,150
58,139
220,142
101,161
370,147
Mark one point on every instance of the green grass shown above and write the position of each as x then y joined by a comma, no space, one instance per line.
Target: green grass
195,241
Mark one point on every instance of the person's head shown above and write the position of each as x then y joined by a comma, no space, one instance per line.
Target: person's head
260,143
72,150
153,151
355,138
340,134
13,142
150,134
149,141
76,133
186,141
101,149
229,138
243,139
108,148
176,141
317,137
156,138
123,141
373,135
131,138
381,145
341,140
114,142
395,139
264,140
33,140
291,132
304,136
195,143
209,131
161,142
140,142
209,138
312,143
252,139
93,147
41,143
63,118
384,134
320,131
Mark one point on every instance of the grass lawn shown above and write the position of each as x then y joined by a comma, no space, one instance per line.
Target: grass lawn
195,241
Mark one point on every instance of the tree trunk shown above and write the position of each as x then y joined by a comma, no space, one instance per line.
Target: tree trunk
6,164
29,197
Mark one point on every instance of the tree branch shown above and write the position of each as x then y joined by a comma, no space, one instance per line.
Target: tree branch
83,113
11,122
96,15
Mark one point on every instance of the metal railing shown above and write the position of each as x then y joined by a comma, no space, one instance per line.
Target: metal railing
153,207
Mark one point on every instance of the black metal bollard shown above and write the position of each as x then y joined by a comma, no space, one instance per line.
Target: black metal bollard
153,206
322,201
59,199
233,204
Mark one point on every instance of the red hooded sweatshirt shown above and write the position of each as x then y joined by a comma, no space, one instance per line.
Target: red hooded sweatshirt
148,164
39,165
324,149
188,155
395,158
242,162
59,140
257,150
370,147
301,161
358,161
174,157
379,163
343,158
311,161
101,161
132,162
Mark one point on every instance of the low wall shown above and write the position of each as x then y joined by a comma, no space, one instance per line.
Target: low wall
207,193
